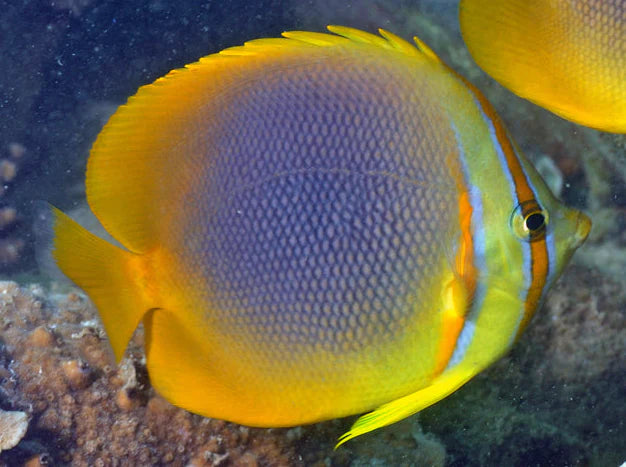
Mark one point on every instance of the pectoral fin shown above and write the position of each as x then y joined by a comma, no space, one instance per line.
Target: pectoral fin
396,410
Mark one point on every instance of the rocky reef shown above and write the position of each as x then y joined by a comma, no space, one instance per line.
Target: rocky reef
82,409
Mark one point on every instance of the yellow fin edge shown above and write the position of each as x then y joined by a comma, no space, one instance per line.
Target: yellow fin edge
406,406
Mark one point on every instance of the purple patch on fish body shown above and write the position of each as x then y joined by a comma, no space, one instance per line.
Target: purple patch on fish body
325,211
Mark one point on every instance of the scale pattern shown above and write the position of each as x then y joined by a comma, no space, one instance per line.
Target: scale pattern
325,214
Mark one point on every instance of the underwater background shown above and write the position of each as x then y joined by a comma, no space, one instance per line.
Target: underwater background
559,398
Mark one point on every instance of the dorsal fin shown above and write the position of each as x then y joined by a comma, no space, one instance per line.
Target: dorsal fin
386,40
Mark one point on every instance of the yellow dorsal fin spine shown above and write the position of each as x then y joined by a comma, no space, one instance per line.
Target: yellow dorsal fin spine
356,35
398,43
425,49
343,35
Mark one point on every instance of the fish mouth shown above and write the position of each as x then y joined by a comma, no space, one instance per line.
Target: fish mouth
583,227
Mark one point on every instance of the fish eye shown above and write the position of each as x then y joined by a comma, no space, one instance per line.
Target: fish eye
529,221
534,222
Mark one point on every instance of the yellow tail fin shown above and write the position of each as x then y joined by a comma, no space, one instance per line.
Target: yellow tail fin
102,270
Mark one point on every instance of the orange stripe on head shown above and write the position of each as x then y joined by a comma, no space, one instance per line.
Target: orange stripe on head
539,274
539,263
522,188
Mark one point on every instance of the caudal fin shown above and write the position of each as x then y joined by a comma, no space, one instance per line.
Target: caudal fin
104,272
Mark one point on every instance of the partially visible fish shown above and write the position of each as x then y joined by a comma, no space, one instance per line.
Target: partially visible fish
568,56
315,226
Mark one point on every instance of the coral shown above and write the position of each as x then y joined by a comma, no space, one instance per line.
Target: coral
584,330
61,373
402,443
13,426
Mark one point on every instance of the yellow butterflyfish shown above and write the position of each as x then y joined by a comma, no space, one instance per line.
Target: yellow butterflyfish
568,56
315,226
